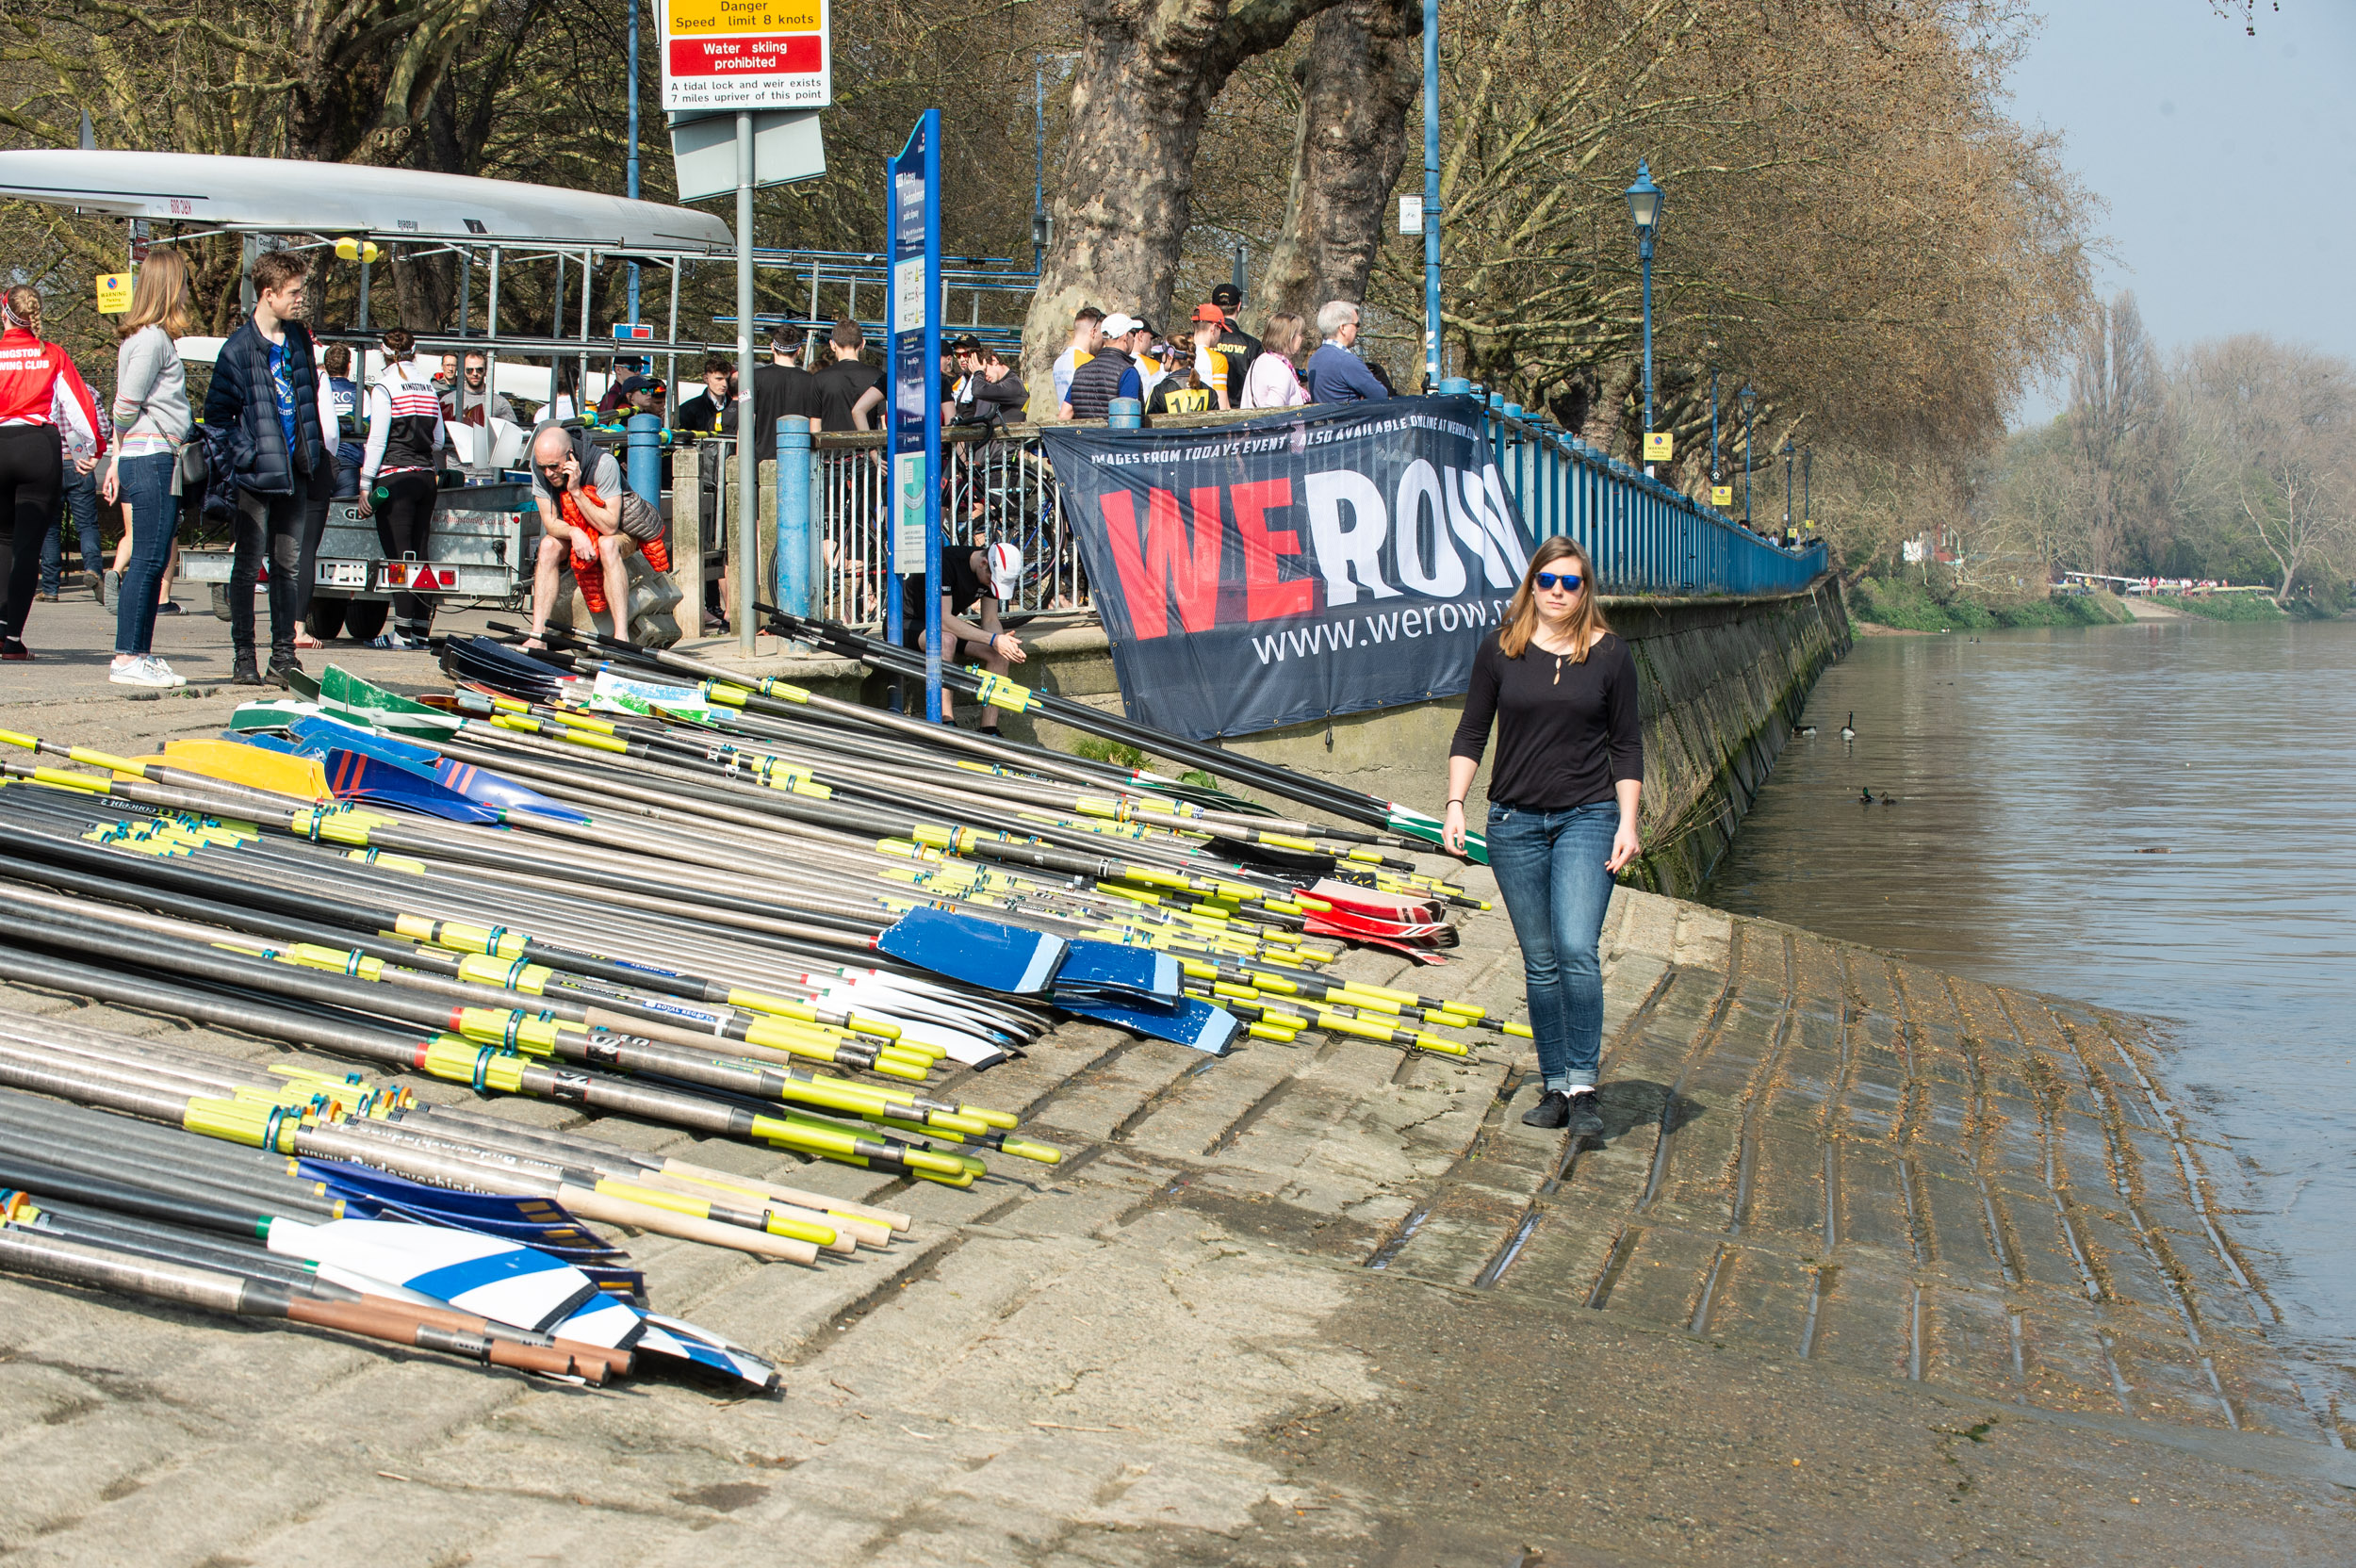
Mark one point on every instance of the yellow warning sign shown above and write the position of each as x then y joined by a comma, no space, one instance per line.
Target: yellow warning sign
689,17
114,293
1660,446
1721,494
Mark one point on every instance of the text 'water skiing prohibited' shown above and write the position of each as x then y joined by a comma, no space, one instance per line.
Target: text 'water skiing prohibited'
745,54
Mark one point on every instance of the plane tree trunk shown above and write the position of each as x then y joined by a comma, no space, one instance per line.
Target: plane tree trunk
1363,71
1142,89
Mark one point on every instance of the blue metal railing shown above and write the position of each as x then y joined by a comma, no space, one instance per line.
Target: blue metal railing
1643,536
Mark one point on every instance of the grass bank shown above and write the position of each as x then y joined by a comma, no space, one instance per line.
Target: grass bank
1908,606
2223,607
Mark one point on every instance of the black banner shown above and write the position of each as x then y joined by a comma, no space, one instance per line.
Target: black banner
1293,568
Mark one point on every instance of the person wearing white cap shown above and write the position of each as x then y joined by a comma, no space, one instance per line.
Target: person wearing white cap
974,582
1112,374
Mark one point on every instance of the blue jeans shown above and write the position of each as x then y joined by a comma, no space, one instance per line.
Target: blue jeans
81,501
1550,869
145,485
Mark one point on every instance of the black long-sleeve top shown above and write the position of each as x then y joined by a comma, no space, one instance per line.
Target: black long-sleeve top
1567,732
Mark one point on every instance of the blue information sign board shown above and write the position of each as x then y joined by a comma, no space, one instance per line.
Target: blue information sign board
912,416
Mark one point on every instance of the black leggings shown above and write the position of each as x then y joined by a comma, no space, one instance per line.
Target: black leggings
31,491
404,526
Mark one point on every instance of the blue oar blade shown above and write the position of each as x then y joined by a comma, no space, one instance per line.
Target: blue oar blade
325,732
479,784
536,1220
1193,1023
1108,971
356,775
982,953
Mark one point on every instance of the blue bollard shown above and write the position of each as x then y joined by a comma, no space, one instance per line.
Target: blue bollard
1497,402
1455,387
642,457
796,539
1512,411
1125,414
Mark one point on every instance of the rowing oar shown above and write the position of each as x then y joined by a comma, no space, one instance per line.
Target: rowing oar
577,1168
464,936
569,998
657,969
505,1018
27,1251
170,1244
481,1046
466,1269
447,1056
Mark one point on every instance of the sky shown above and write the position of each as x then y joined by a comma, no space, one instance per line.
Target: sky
2228,162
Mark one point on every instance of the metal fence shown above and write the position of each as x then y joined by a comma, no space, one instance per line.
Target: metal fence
1644,537
999,491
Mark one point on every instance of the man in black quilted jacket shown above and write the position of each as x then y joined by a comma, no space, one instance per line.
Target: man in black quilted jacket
262,417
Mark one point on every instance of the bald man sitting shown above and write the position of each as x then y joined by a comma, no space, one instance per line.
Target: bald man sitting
597,519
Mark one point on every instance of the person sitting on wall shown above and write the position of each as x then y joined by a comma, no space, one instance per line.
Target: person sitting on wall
588,513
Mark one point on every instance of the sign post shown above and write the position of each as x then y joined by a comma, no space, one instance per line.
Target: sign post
734,57
912,417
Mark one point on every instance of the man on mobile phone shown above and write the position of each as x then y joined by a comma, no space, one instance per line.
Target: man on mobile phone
587,513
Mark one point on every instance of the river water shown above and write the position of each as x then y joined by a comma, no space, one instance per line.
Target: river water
2030,768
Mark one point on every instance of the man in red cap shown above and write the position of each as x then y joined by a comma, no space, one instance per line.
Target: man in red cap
1209,363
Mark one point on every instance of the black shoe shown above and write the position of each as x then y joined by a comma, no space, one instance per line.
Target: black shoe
1552,1110
167,607
1585,1120
242,671
279,666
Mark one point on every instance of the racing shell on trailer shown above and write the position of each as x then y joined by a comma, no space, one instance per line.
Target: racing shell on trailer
480,529
290,196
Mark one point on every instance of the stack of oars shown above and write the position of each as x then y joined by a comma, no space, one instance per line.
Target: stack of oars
742,914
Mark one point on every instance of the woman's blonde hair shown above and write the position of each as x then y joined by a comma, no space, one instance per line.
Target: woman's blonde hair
1282,335
159,297
1521,617
23,307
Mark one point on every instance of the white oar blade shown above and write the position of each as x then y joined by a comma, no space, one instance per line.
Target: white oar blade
483,1275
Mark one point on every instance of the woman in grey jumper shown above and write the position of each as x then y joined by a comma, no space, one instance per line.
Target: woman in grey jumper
151,409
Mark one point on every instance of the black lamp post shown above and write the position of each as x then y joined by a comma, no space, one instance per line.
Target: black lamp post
1748,398
1788,451
1645,201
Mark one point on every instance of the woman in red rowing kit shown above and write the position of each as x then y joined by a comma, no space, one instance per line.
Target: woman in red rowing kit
39,385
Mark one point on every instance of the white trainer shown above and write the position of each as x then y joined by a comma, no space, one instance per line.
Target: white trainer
147,671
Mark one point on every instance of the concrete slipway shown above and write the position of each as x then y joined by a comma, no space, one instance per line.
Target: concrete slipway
1873,1264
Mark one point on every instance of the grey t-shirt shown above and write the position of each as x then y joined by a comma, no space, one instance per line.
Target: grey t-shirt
603,474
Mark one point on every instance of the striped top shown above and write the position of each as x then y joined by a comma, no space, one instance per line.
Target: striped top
404,425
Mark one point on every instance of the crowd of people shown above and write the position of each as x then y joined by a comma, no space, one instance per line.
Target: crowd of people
1215,364
289,426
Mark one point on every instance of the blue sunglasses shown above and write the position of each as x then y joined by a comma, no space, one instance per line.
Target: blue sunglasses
1568,581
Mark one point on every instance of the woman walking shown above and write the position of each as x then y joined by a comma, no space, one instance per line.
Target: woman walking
1561,686
32,375
152,410
398,482
1271,381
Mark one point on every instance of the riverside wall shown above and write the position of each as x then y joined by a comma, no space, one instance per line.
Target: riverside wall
1723,681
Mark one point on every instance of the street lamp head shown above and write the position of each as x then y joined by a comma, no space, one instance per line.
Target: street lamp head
1788,448
1644,199
1749,398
